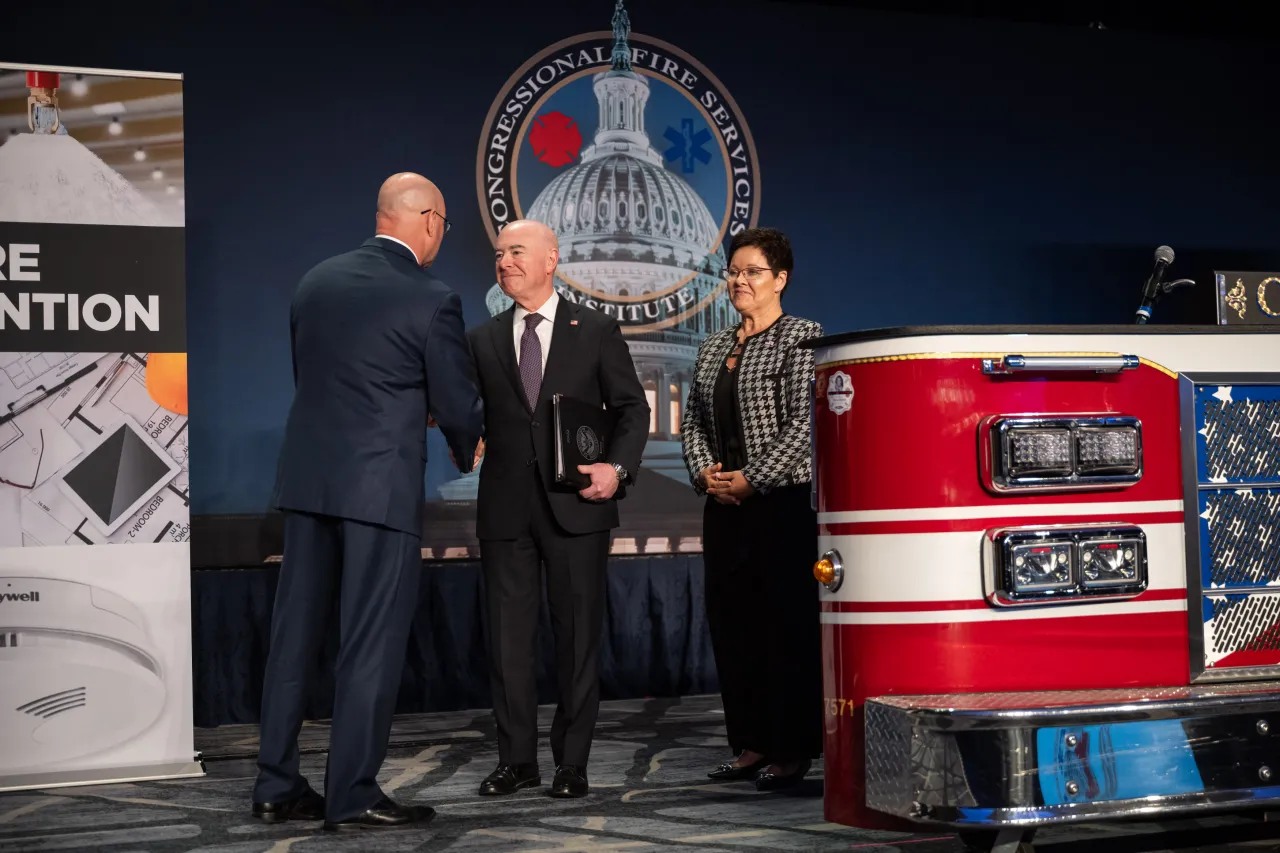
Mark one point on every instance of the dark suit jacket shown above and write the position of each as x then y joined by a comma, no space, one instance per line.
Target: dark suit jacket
589,360
377,343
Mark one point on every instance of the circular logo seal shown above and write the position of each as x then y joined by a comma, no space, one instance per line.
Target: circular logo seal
588,443
639,160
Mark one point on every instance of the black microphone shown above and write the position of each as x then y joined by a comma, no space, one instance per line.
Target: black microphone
1150,291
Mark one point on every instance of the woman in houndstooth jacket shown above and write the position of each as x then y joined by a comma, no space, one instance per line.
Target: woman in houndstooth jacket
745,435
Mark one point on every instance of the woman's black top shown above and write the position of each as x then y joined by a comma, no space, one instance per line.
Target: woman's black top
727,417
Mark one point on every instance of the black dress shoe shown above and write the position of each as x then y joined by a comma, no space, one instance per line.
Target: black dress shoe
385,814
570,781
309,806
777,781
730,773
509,778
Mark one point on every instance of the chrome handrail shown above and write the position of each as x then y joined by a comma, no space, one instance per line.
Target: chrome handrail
1039,363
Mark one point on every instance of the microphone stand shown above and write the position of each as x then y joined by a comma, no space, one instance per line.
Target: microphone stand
1144,310
1155,287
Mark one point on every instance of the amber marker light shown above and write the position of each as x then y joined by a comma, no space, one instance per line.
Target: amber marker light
828,571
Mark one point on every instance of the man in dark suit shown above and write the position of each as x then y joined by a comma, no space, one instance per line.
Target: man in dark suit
379,348
544,345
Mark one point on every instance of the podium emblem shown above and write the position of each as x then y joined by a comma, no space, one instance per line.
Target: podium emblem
1252,300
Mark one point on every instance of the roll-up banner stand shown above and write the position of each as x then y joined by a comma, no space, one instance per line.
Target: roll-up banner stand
95,589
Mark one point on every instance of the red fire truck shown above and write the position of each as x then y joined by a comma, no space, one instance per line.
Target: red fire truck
1050,586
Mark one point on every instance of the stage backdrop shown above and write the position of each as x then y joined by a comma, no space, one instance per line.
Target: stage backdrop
928,170
95,604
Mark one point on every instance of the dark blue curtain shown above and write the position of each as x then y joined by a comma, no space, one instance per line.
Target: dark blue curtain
655,639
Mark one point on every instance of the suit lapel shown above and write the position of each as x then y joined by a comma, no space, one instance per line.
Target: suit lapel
504,342
564,343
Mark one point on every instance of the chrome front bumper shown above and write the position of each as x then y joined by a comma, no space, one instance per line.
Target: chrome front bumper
1032,759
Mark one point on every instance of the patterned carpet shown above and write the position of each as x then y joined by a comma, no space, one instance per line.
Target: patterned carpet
649,794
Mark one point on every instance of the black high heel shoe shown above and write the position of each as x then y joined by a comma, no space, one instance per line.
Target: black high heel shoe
777,781
729,773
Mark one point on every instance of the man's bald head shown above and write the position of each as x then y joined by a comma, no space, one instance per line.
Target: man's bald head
406,192
411,209
531,230
526,256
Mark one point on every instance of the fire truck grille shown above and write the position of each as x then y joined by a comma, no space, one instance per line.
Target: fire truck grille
1240,436
1237,448
1244,623
1242,529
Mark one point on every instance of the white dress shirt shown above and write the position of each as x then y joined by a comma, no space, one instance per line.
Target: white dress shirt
402,243
543,329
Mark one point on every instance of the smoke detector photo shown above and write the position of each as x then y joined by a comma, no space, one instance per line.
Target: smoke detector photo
80,674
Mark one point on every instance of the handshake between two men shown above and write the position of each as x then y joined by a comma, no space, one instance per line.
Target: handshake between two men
351,490
475,460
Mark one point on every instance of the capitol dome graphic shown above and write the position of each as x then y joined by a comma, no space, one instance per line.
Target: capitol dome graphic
633,230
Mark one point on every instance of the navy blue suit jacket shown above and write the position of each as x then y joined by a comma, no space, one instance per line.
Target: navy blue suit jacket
377,344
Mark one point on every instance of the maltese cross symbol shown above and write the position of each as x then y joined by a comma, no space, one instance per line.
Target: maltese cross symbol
687,146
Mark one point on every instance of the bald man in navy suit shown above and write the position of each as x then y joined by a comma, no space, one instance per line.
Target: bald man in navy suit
379,350
530,525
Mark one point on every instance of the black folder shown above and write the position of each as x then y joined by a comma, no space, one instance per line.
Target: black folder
583,432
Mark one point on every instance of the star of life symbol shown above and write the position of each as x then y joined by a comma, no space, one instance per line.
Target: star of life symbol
687,146
588,443
839,392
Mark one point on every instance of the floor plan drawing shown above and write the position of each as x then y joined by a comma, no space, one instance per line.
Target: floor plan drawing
23,374
23,368
47,438
9,433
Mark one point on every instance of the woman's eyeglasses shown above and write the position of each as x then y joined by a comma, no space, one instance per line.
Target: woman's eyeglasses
753,274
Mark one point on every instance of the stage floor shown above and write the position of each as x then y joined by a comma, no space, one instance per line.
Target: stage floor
649,794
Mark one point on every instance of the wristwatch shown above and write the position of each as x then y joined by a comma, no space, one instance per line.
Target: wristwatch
621,472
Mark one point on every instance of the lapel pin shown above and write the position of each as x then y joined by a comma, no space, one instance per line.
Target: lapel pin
573,322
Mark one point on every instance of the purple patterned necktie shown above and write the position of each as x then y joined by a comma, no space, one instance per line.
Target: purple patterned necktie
531,359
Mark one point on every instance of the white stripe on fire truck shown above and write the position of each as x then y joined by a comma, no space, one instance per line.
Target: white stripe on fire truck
997,510
1117,608
1209,353
923,567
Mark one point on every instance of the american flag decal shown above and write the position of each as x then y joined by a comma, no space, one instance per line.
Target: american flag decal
1238,474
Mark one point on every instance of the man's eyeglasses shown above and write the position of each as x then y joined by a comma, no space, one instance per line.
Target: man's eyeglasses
446,221
752,273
